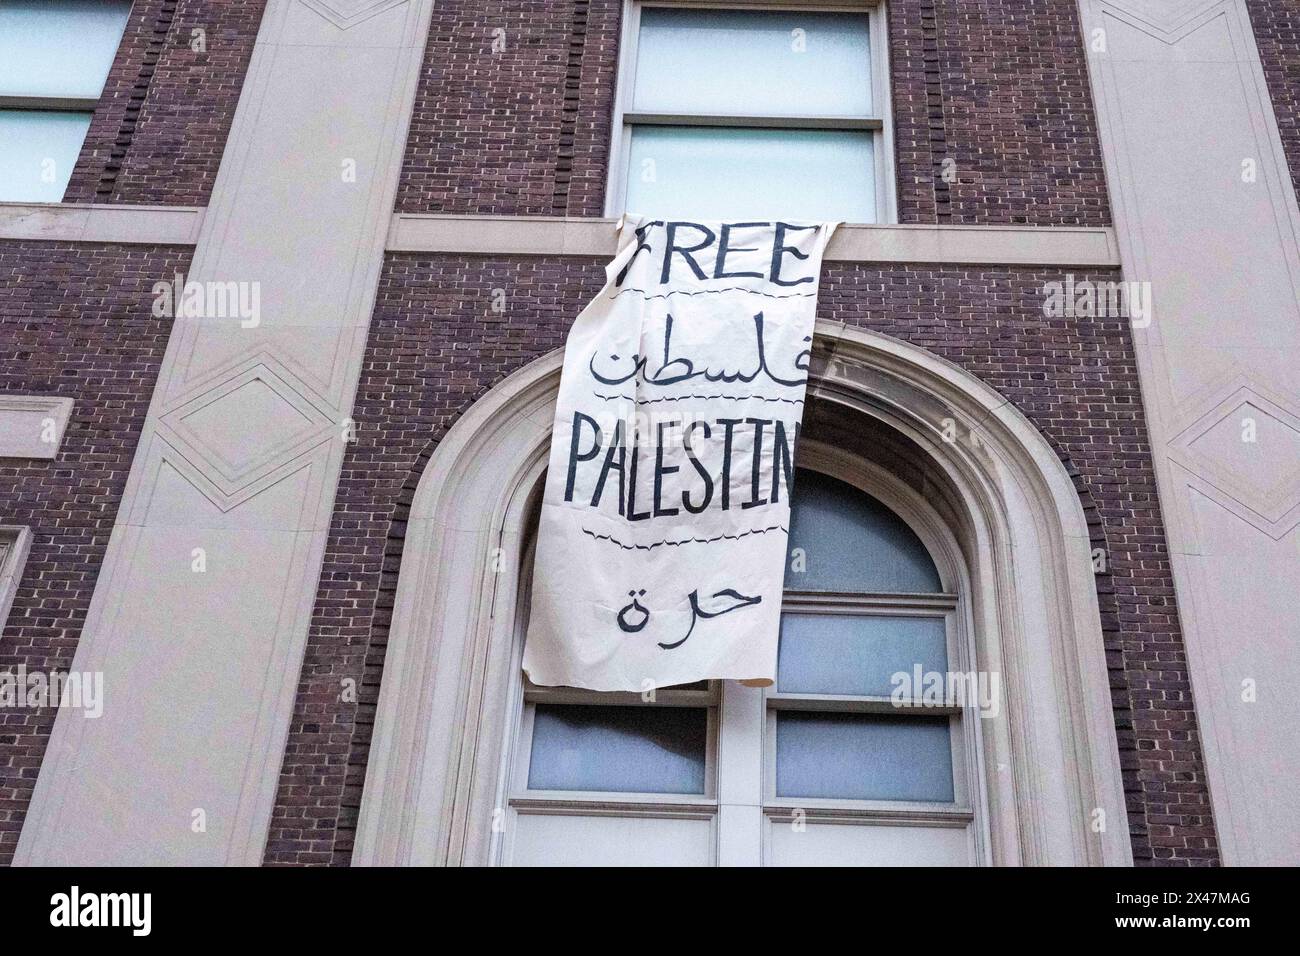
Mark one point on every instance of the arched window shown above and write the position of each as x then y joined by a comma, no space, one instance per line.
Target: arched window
933,525
842,762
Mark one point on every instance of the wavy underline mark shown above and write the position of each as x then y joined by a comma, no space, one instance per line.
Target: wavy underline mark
665,295
679,398
674,544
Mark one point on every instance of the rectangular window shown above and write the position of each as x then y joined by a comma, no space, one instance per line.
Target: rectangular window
604,779
858,760
863,757
619,749
846,719
753,114
54,58
856,654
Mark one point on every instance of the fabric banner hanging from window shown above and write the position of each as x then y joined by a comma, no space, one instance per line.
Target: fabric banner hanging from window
662,544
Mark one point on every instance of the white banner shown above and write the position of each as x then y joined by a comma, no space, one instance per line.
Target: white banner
661,551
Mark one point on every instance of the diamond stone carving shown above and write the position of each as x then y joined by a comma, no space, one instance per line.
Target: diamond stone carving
347,13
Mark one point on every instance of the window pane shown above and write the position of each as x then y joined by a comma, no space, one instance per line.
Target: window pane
58,49
851,542
38,149
753,62
710,172
856,653
857,757
626,749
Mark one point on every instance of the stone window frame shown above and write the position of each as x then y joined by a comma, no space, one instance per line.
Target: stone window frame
881,123
15,544
437,765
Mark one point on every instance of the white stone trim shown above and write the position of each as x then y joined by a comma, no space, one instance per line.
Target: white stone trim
976,245
1219,347
92,222
1080,246
238,462
15,543
440,745
26,421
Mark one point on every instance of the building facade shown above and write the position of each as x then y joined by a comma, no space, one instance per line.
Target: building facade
286,532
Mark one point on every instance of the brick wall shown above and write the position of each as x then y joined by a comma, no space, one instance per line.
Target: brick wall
74,321
160,128
512,114
1276,25
1000,87
435,346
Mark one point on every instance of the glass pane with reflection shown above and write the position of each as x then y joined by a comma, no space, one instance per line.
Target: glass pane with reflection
770,62
717,172
857,654
863,757
38,149
622,749
59,49
849,541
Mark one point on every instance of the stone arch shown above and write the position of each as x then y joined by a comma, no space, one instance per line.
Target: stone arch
1051,766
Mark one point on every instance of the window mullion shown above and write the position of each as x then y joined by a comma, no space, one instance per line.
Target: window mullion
882,601
740,775
662,698
753,120
845,704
